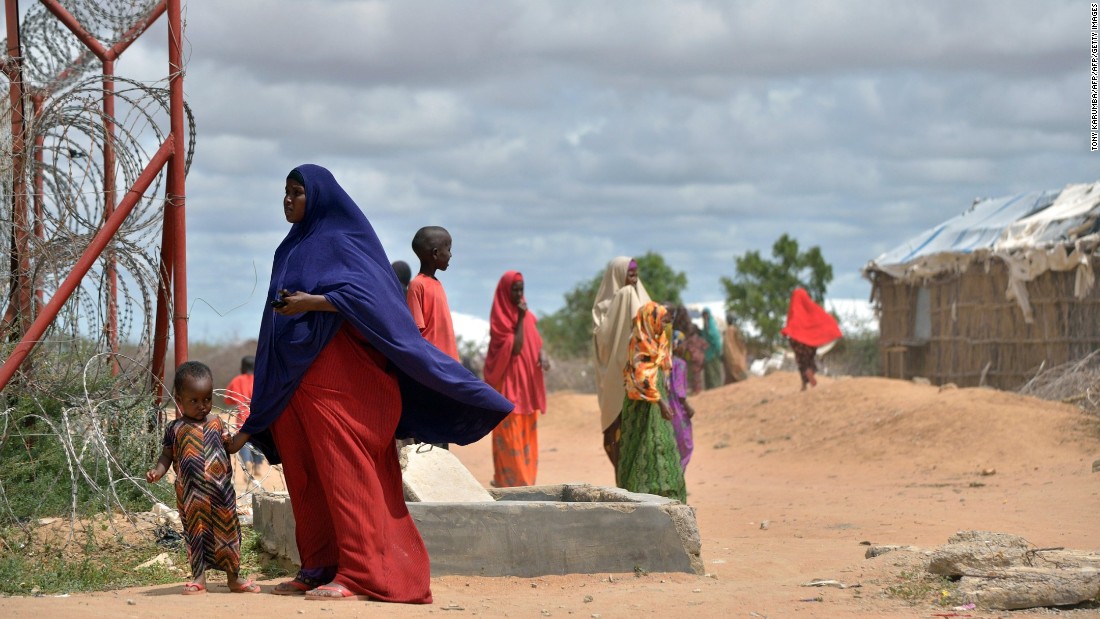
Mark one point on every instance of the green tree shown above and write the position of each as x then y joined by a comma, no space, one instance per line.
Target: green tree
568,331
758,294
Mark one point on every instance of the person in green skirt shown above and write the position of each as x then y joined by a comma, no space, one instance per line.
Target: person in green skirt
649,459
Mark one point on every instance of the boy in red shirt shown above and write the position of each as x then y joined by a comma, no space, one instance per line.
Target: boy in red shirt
425,296
426,299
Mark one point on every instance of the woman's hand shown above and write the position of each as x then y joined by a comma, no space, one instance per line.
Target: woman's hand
298,302
666,412
234,443
688,409
544,361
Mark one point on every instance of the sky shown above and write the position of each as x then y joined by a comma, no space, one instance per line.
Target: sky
551,136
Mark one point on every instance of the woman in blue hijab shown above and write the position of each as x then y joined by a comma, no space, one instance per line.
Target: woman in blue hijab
341,371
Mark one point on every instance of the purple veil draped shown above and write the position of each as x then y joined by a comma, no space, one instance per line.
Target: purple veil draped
334,251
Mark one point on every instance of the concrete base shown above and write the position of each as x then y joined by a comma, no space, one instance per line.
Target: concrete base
534,531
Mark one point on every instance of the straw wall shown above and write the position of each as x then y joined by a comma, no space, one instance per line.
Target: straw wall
977,335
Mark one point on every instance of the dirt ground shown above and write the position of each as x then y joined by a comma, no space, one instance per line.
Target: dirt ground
852,461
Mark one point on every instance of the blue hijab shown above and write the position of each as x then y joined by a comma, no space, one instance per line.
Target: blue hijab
334,252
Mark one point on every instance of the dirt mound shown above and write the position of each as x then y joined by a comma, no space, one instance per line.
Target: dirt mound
868,420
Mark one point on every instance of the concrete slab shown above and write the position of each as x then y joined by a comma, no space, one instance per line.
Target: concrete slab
539,530
435,474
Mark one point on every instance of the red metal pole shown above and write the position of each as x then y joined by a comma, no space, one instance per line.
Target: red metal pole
83,35
164,299
176,179
111,270
18,310
95,46
39,193
82,266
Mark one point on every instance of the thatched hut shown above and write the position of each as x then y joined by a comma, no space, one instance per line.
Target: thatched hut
995,294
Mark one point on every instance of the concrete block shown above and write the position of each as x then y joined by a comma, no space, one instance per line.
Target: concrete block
534,531
435,474
273,519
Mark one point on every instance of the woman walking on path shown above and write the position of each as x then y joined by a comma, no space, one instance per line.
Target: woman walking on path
808,328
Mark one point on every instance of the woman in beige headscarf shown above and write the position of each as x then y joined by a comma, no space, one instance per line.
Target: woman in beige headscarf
620,297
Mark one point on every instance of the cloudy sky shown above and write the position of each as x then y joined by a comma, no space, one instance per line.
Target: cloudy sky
551,136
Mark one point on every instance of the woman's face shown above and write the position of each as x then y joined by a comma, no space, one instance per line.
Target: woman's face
631,276
517,291
294,202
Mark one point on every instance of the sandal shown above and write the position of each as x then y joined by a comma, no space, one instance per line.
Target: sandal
298,586
335,592
194,588
248,586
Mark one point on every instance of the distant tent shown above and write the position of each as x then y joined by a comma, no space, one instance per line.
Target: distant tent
995,293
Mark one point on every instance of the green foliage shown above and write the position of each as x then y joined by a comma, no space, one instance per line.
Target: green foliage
27,565
920,587
47,570
255,559
568,332
760,291
80,447
857,354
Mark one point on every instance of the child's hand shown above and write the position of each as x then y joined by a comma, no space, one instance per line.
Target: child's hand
234,443
152,476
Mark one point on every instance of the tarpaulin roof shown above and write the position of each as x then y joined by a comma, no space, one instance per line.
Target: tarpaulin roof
1033,232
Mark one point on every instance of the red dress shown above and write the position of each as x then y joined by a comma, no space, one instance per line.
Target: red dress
338,427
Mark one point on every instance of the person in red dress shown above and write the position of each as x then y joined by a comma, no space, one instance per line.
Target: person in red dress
513,366
808,328
341,372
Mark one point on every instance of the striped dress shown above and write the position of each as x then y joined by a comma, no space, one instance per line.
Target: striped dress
204,494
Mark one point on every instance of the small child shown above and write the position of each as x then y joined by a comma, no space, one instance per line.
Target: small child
204,481
238,394
682,412
426,299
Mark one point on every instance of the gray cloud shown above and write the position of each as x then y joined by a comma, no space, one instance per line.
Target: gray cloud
552,136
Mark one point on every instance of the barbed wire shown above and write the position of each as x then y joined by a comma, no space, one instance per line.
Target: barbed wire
79,426
107,434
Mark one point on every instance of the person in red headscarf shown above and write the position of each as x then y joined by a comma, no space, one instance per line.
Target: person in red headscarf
514,366
808,327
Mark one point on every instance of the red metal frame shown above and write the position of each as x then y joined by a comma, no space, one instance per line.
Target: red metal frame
172,288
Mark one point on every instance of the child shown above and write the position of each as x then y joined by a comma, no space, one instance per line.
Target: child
238,394
204,482
682,412
426,299
425,296
404,274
